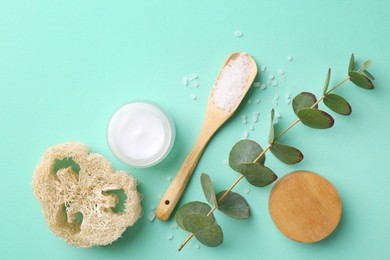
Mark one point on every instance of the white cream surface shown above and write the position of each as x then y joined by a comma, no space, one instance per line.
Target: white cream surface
140,134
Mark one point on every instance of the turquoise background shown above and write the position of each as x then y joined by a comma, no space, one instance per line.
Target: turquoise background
66,66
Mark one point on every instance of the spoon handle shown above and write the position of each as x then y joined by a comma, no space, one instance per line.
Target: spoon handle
179,183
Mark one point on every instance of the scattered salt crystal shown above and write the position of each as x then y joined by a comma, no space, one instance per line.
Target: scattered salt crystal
251,127
151,216
276,97
250,102
290,58
274,83
247,191
174,226
277,115
271,76
256,84
258,100
194,84
262,87
159,196
283,78
263,68
170,237
276,121
226,162
245,134
231,83
193,97
288,98
255,117
194,75
281,71
238,34
244,119
275,102
185,81
153,207
169,178
196,246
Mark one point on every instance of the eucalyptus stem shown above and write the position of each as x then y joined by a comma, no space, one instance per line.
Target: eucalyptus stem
338,85
288,128
261,155
185,242
225,194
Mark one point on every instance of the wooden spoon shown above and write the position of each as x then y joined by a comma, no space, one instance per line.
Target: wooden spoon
214,119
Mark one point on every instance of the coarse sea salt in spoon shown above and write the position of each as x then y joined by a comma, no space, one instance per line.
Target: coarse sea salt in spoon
233,82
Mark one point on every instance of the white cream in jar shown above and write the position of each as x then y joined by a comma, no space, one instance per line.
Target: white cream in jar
140,133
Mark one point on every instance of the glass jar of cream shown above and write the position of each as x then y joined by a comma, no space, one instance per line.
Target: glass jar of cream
140,133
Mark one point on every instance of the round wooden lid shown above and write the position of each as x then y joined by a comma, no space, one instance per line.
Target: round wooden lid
305,206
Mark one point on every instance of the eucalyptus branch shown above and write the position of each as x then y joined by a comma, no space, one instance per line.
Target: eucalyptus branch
223,197
248,158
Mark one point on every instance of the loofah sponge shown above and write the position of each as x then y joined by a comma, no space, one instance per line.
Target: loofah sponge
78,200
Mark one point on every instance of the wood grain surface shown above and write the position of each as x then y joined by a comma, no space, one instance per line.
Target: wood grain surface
305,206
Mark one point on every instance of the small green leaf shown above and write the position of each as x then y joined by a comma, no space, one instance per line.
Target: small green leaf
368,74
204,228
194,207
245,151
351,66
303,100
337,104
315,118
286,154
257,174
208,189
326,85
366,64
272,128
234,205
360,80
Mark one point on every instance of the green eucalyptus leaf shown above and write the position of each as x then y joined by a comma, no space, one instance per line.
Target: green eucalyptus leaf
245,151
204,228
257,174
368,74
272,128
315,118
286,154
208,189
351,66
338,104
326,85
366,64
234,205
194,207
360,80
303,100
